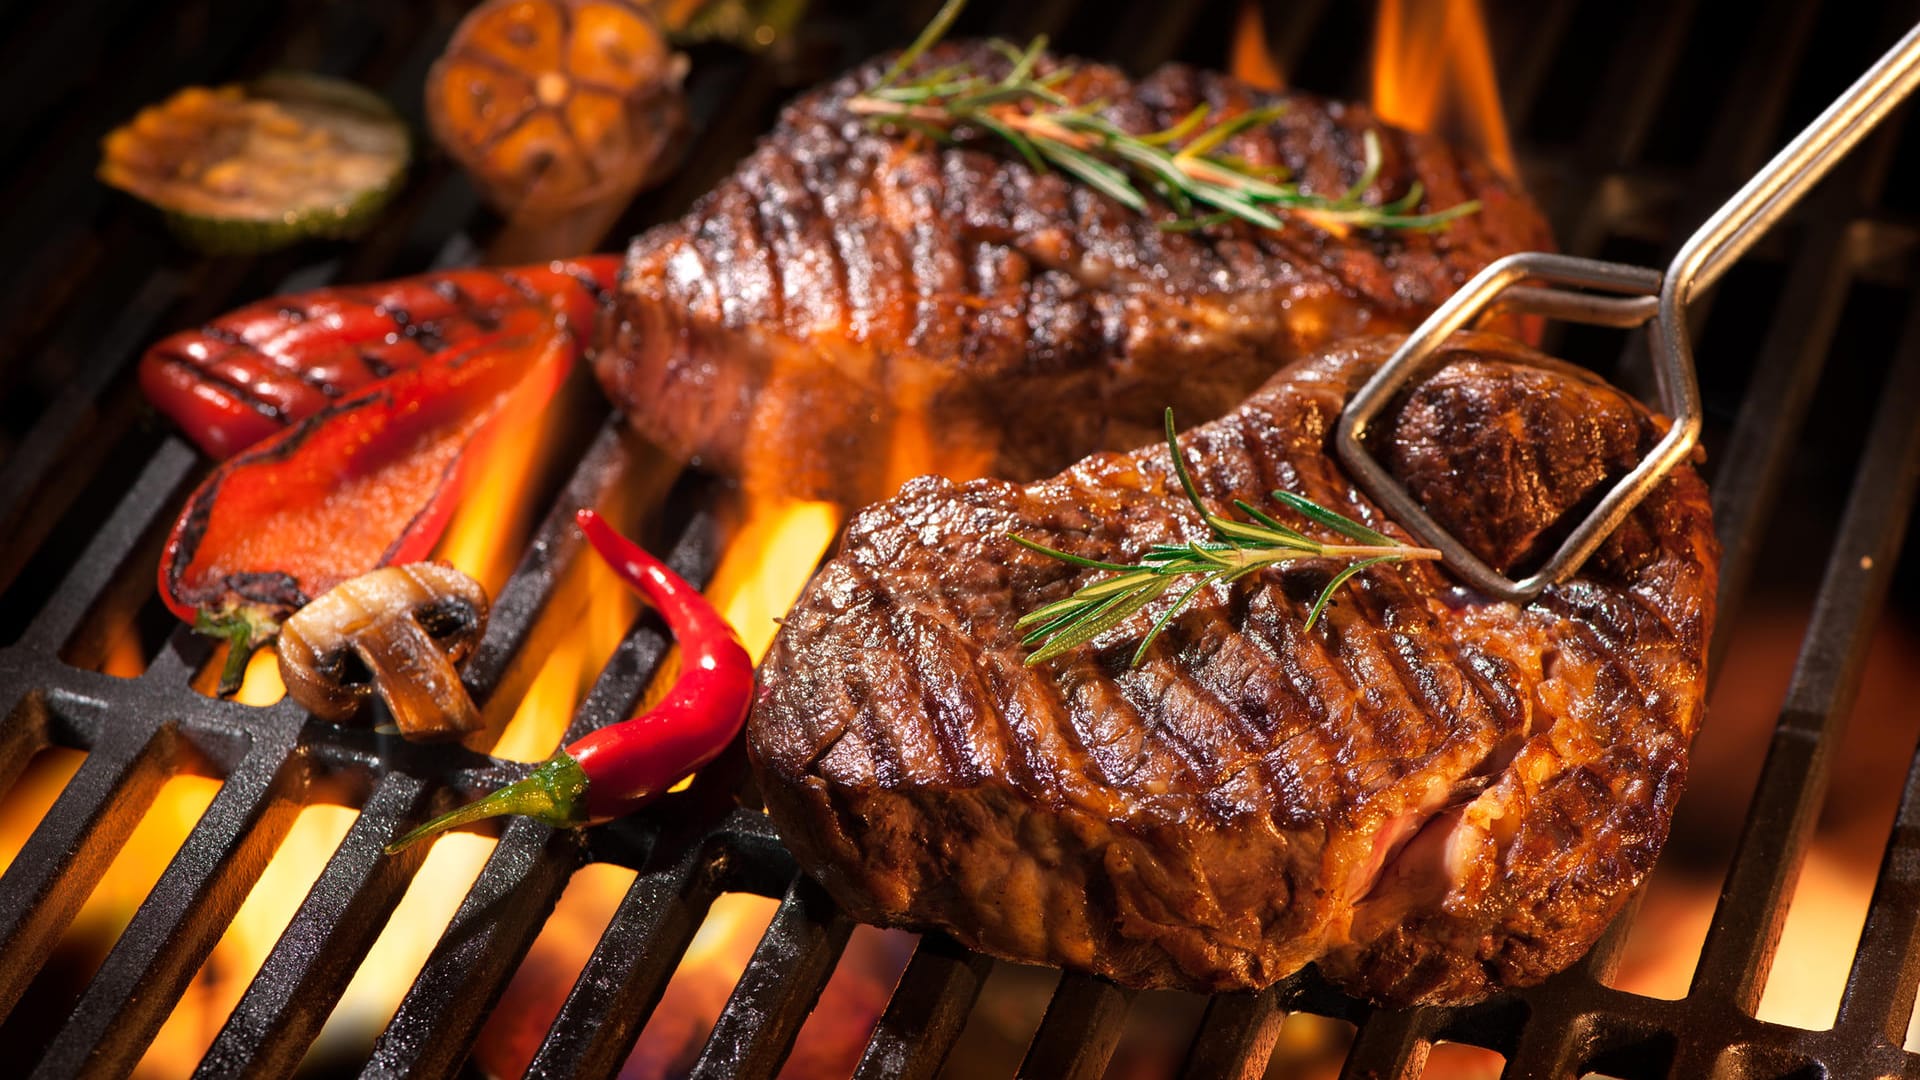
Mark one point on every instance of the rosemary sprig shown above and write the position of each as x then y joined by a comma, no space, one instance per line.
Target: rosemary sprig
1183,164
1239,548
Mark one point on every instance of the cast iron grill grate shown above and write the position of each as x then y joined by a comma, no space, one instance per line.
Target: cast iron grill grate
1633,119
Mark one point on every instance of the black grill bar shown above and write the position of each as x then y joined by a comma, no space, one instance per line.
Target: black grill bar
496,924
1078,1034
48,448
783,979
629,969
155,491
1236,1036
67,854
1879,998
1746,925
926,1013
182,917
1390,1043
308,969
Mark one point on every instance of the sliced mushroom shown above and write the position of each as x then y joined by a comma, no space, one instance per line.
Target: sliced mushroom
397,631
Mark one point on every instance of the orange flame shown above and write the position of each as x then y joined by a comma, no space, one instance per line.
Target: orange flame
1251,58
769,557
489,529
1433,71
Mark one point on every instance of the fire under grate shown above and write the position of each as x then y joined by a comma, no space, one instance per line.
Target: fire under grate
1619,137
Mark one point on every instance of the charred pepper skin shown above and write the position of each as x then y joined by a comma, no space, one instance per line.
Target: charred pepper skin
370,481
255,371
622,767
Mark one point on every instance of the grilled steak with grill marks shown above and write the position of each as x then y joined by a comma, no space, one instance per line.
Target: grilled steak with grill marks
1432,794
852,308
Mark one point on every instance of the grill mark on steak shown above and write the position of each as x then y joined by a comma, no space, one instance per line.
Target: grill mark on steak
1431,794
851,307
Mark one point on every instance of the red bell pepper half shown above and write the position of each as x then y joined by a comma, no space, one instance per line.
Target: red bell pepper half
365,482
254,371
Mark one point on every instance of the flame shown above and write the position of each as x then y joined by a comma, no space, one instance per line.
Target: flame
122,655
770,555
1433,71
699,988
540,720
31,796
1251,58
484,539
223,977
490,526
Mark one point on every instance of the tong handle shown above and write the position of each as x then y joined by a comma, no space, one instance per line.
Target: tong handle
1772,191
1613,294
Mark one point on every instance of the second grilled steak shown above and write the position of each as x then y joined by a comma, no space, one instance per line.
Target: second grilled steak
852,308
1430,793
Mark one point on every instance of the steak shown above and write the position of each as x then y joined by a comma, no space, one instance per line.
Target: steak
1431,794
852,308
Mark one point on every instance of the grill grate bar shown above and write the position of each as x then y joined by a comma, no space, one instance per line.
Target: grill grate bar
72,846
1078,1034
546,582
1753,467
1391,1043
181,918
496,923
157,488
629,969
927,1011
502,913
1747,922
308,970
1237,1034
783,979
1879,999
28,501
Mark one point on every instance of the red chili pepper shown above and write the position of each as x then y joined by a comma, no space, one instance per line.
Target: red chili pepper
371,480
621,767
256,370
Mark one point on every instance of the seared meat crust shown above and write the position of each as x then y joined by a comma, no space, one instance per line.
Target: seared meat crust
851,308
1431,794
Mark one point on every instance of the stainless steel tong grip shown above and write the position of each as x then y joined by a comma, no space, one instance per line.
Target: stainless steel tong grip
1617,295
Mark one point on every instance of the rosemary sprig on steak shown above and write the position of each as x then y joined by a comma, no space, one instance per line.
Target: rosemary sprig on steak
1182,164
1239,548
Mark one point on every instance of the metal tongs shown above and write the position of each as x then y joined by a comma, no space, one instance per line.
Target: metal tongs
1624,297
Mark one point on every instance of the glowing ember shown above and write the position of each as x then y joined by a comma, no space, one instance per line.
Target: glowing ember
1433,71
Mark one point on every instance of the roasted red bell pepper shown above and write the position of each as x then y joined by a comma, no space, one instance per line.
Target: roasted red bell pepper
623,766
369,480
256,370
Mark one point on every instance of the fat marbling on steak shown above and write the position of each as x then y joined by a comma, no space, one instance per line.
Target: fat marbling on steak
1431,794
852,308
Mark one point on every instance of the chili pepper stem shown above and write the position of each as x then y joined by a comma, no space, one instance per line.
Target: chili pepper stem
244,631
554,794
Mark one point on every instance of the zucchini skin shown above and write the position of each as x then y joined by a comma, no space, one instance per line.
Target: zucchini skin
252,234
